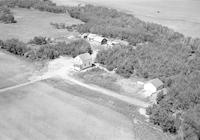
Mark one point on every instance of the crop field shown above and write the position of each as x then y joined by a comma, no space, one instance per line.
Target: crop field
180,15
31,23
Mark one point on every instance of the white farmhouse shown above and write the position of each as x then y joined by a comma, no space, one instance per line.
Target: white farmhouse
153,86
83,61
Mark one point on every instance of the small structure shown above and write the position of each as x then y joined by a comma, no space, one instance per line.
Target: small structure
100,40
85,35
91,37
61,39
120,42
154,96
95,38
153,85
82,61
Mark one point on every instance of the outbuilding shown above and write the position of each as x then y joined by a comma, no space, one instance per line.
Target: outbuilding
82,61
153,85
85,35
100,40
97,39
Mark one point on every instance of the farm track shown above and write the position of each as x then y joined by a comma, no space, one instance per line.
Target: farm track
106,92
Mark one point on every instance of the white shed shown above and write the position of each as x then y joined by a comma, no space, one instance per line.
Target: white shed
153,85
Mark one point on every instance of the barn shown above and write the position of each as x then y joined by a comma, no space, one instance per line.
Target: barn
153,85
82,61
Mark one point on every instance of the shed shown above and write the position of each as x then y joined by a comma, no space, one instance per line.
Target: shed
82,61
153,85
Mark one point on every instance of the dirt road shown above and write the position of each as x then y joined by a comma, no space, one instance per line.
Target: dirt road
132,101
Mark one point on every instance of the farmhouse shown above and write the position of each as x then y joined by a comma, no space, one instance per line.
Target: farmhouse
83,61
153,85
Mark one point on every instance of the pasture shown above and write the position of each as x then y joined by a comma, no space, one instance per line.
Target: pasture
31,23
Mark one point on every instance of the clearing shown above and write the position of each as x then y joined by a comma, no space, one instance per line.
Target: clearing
31,23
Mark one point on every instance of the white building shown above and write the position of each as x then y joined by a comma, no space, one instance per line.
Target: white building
153,86
83,61
120,42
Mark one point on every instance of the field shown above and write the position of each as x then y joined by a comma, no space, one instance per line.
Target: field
31,23
40,111
180,15
13,71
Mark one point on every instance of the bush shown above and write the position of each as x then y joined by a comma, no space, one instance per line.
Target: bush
38,40
6,16
15,46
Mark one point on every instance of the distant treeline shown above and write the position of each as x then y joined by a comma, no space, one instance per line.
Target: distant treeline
42,5
155,52
38,49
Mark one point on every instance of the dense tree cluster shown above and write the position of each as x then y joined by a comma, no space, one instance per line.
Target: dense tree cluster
6,16
46,51
149,61
111,23
42,5
179,109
